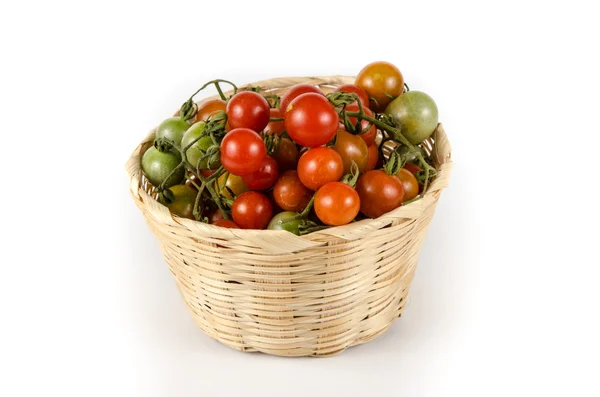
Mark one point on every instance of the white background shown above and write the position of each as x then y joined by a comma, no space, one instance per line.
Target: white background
505,299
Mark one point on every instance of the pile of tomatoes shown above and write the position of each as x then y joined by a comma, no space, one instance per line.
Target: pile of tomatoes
301,162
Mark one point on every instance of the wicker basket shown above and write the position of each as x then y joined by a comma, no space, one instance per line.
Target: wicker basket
281,294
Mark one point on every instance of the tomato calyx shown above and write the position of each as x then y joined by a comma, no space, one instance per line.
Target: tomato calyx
351,178
274,101
166,196
163,144
342,100
253,89
271,143
394,164
189,108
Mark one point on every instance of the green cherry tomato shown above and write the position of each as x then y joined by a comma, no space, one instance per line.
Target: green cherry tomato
278,222
196,151
185,198
158,165
416,114
172,129
403,151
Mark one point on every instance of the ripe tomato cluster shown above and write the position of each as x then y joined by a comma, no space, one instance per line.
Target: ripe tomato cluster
300,162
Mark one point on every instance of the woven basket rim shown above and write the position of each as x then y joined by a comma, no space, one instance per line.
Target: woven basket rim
350,232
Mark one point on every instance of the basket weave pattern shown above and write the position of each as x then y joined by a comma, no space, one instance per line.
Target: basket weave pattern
288,295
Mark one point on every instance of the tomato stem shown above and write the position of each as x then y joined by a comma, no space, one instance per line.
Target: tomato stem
221,94
305,212
189,109
351,178
307,227
276,100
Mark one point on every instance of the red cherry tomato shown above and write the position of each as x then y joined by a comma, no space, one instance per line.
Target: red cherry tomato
336,204
242,151
207,173
381,81
248,109
286,155
373,158
379,193
265,177
214,216
354,89
351,148
413,168
409,183
319,166
289,193
311,120
252,210
209,108
294,92
226,223
369,135
275,127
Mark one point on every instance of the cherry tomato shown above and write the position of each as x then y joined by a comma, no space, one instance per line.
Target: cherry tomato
252,210
289,193
380,80
275,127
294,92
379,193
413,168
172,129
303,150
311,120
157,166
319,166
409,183
280,222
226,223
416,114
242,151
191,178
196,151
276,208
380,162
336,204
209,108
286,155
370,134
234,183
351,147
248,109
354,89
185,198
265,177
373,158
214,216
207,173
